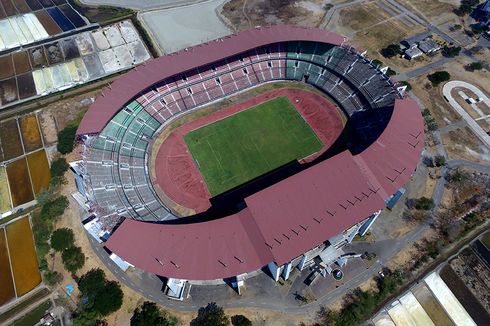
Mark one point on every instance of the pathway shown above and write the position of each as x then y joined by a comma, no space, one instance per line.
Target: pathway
448,87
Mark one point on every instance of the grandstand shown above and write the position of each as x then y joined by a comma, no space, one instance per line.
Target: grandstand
281,226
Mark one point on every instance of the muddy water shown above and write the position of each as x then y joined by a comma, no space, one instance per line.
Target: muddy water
30,132
23,256
19,181
39,169
10,139
7,289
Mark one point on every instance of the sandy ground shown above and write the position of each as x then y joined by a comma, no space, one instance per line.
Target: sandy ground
182,27
245,14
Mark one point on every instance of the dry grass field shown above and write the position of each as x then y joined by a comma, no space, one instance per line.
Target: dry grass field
30,132
19,181
363,15
436,11
5,203
23,256
39,170
462,144
7,285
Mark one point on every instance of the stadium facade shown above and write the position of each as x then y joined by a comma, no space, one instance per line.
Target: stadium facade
312,213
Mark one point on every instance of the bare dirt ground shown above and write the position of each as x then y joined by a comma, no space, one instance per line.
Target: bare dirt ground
437,11
462,144
245,14
55,116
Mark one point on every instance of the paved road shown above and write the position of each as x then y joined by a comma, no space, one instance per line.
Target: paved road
477,130
142,4
150,287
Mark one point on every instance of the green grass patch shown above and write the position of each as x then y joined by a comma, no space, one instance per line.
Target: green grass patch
23,304
33,316
486,240
248,144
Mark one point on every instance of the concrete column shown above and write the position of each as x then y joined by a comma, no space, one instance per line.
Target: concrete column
365,227
275,271
287,271
302,262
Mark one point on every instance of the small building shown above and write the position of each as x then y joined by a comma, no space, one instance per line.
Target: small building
413,41
428,46
413,53
484,13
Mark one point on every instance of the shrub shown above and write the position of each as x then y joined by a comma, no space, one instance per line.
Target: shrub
405,83
62,239
240,320
377,62
391,72
439,160
439,77
474,66
52,278
423,203
73,259
391,51
452,51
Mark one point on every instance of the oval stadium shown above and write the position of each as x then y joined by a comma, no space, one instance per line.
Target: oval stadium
261,151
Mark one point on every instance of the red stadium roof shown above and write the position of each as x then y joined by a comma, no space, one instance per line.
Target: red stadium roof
287,219
128,86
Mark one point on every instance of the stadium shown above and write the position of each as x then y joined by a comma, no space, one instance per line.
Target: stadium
262,150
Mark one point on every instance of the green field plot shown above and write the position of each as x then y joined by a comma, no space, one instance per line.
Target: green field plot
248,144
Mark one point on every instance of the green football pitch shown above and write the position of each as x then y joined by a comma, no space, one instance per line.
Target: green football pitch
241,147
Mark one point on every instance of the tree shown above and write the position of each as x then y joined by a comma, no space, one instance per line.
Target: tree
100,296
391,50
59,167
240,320
73,259
438,77
66,139
92,281
149,314
474,66
451,51
211,315
466,7
62,239
54,208
108,299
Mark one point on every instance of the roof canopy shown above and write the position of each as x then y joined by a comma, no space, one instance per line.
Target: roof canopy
151,72
288,218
